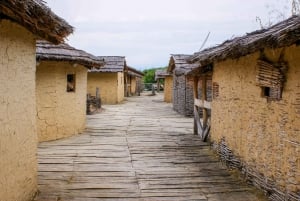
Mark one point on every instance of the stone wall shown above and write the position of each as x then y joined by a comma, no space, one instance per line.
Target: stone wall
189,97
60,113
179,94
264,135
183,101
168,89
107,84
18,140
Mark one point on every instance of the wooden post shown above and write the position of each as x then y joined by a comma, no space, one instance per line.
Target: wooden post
153,90
98,99
204,98
88,111
158,85
97,93
195,89
125,84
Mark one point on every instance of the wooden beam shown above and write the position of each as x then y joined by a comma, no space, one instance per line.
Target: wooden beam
204,98
198,128
202,104
196,113
195,89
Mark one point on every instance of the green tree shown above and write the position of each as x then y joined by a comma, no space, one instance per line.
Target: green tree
149,75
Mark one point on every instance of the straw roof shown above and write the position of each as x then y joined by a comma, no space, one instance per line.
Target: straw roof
281,34
179,64
46,51
161,74
113,64
35,16
134,72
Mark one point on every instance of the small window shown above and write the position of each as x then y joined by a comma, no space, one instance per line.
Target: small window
266,91
272,93
71,83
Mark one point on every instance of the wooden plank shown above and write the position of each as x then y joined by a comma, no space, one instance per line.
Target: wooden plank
146,152
202,104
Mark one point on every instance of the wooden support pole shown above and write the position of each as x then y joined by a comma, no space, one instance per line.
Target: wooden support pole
126,84
195,90
204,98
158,85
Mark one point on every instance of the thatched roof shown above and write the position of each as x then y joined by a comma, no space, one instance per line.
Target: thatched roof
35,16
134,72
113,64
179,64
46,51
282,34
161,74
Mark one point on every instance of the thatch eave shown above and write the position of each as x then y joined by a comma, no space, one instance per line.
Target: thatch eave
179,64
113,64
280,35
134,71
162,74
35,16
63,52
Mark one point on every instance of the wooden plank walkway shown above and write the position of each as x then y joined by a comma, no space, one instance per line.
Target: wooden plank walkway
140,150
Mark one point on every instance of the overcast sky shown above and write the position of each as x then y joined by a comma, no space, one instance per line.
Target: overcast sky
148,31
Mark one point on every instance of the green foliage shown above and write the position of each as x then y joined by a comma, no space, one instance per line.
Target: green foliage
149,75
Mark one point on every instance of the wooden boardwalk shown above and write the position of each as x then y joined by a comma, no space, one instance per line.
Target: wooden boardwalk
140,150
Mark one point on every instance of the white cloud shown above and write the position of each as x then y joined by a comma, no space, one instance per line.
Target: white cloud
148,31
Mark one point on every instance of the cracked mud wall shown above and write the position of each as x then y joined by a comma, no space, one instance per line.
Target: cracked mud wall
168,89
120,87
60,114
264,135
111,86
133,85
18,140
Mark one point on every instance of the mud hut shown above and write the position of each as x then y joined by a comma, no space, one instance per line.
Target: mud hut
183,101
133,81
61,88
109,79
255,108
168,83
21,22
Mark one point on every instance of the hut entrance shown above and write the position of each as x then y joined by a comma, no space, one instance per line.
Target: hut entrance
93,103
202,105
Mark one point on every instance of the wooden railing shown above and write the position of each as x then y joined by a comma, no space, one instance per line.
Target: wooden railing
201,125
